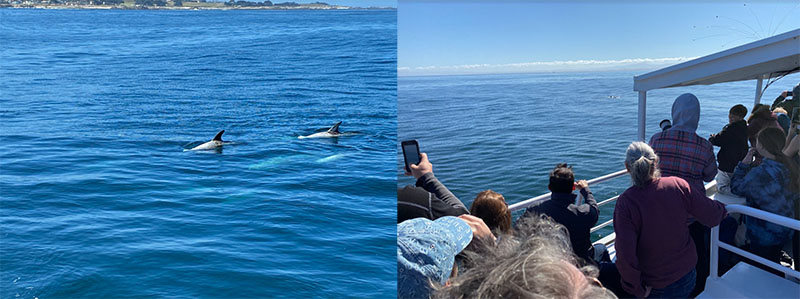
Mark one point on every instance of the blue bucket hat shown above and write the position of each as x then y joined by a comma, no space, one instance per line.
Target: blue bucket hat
426,251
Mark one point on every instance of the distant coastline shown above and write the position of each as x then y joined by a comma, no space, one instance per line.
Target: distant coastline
174,5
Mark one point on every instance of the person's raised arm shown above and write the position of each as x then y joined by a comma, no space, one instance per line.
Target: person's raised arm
479,228
593,211
739,181
792,141
723,138
779,99
423,172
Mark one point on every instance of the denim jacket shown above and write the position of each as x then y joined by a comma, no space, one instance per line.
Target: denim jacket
766,187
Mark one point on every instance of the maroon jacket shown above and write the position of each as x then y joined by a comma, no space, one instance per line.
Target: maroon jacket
653,243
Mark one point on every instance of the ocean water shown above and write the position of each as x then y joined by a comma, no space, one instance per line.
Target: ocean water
98,197
506,132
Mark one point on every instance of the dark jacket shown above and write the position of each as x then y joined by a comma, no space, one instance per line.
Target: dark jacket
788,105
732,142
429,199
578,219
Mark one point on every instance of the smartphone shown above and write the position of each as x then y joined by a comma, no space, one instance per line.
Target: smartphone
796,115
789,94
410,153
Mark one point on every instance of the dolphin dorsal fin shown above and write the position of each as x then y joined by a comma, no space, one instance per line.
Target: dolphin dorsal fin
335,128
218,137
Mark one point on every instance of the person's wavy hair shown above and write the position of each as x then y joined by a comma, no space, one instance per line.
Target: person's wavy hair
537,262
493,209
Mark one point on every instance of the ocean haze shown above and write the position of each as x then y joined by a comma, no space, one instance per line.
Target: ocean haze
634,64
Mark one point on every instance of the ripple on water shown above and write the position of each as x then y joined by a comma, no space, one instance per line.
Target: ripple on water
100,200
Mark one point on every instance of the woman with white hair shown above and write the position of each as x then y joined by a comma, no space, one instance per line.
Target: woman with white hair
655,255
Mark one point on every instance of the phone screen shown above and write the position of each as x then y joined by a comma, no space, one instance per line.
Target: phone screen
410,153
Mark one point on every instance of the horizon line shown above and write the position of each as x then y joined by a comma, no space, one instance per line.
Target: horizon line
581,65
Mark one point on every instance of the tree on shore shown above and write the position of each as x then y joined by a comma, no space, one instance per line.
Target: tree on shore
104,2
151,2
242,3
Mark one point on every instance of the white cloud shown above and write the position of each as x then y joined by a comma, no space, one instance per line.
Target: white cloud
544,66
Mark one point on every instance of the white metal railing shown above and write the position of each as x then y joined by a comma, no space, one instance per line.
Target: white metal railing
752,212
601,226
528,202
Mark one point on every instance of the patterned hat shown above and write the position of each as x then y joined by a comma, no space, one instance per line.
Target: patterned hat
426,251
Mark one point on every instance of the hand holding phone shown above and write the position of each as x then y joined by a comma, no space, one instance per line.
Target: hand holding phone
410,153
424,166
749,157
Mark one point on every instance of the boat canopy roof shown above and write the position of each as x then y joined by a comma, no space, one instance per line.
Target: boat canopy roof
776,55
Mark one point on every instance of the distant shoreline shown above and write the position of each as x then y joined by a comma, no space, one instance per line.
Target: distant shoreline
139,7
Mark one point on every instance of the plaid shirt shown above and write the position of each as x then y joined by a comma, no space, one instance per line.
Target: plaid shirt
685,155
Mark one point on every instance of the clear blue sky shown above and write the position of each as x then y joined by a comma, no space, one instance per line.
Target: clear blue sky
444,36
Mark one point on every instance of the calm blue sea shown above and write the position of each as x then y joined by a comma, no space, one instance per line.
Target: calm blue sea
98,198
506,132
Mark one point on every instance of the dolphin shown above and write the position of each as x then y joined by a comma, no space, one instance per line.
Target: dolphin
330,133
331,158
213,144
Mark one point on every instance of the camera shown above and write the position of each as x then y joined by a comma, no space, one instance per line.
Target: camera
665,124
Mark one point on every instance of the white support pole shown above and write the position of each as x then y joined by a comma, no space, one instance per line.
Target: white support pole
714,254
758,89
642,116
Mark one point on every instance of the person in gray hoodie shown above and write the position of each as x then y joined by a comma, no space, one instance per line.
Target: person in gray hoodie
683,153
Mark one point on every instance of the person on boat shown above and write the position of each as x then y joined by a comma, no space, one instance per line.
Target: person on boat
665,124
792,148
761,117
535,262
772,186
790,104
578,218
732,142
783,118
429,198
684,154
493,209
426,251
656,256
